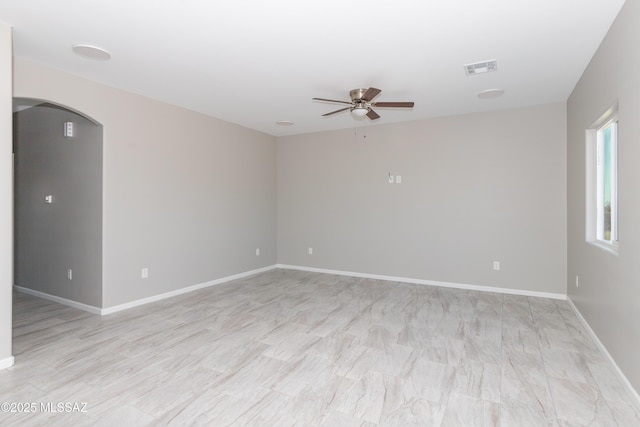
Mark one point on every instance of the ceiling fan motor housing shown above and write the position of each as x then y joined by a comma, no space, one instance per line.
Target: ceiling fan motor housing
357,94
360,106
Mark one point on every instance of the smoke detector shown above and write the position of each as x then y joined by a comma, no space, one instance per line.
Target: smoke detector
91,52
491,93
481,67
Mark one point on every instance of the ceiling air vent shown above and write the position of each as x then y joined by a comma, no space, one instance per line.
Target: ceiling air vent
481,67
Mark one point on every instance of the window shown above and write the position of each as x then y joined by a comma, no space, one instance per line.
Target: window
602,180
607,191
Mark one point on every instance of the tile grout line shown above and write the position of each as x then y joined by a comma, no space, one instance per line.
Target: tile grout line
544,362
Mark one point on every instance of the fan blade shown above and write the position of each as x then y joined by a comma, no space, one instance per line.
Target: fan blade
371,93
373,115
337,111
393,104
331,100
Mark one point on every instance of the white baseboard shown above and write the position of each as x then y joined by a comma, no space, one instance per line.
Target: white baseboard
429,282
181,291
143,301
7,362
632,391
154,298
59,300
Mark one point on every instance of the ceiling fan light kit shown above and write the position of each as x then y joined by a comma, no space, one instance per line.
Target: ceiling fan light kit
361,103
359,111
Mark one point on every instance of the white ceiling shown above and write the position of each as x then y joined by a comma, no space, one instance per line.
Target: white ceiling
254,62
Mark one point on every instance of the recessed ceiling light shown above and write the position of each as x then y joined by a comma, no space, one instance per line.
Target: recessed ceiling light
91,52
491,93
284,123
481,67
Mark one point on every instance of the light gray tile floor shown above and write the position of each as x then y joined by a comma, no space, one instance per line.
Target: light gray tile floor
291,348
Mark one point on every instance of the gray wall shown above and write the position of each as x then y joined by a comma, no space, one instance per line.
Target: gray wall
6,195
475,188
66,234
609,292
187,196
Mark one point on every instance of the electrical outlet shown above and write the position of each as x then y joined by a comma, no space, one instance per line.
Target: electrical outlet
398,179
257,251
310,251
496,265
144,273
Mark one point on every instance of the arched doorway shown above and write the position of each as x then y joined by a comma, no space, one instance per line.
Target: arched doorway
57,203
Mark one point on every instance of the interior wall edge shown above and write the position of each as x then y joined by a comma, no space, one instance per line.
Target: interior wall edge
632,391
6,195
136,303
159,297
64,301
414,281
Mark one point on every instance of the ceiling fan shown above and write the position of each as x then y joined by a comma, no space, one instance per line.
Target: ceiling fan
361,104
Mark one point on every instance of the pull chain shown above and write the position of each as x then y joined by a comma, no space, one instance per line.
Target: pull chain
364,130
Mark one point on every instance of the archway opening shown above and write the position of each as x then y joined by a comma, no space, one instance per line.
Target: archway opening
58,158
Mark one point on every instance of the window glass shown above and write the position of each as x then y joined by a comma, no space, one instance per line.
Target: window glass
607,182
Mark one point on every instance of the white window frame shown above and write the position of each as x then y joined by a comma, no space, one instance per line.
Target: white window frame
595,181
